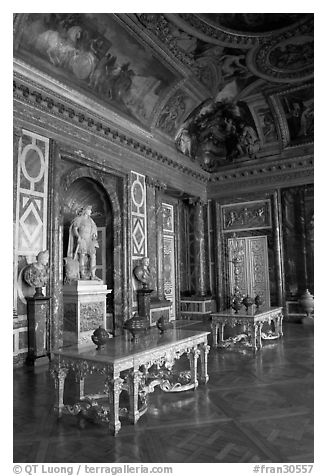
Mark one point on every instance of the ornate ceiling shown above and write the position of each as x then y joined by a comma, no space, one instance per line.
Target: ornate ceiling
226,89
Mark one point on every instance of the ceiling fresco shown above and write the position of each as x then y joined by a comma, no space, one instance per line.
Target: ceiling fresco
252,22
95,53
296,107
225,89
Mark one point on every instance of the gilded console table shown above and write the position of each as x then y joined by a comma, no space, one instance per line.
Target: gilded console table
127,366
252,321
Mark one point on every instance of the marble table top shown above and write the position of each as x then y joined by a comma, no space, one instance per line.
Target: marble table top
121,348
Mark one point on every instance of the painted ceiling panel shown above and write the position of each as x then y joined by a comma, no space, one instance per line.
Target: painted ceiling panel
95,53
224,88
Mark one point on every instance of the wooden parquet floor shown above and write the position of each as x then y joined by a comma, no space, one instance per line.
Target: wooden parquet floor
255,408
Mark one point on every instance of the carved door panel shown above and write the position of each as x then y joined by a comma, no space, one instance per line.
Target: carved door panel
252,267
258,270
169,272
240,268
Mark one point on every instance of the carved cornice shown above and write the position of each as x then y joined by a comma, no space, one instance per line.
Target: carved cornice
66,110
297,163
281,173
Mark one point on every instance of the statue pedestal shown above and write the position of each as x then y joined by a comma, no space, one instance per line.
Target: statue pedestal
38,327
143,302
84,310
197,307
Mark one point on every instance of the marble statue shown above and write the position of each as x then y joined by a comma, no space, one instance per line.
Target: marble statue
143,272
37,274
82,244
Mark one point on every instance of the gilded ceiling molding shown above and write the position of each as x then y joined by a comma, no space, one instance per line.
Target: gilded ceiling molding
287,167
196,26
159,26
96,125
290,66
204,29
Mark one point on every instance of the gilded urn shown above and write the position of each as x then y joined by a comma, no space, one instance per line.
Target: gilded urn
307,302
163,324
247,302
136,325
258,301
100,337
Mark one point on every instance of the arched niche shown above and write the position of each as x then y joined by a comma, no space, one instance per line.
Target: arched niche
84,186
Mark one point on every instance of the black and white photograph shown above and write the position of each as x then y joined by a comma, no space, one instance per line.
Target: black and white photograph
163,241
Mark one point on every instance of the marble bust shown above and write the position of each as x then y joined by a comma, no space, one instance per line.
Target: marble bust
37,274
143,272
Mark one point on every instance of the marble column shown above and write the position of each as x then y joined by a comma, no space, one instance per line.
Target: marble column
219,260
160,248
200,251
55,248
303,239
277,226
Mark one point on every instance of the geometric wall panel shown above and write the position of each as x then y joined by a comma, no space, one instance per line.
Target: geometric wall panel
30,220
138,218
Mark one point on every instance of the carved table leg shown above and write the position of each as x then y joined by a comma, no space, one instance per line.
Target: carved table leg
193,356
214,330
134,379
204,351
114,386
254,330
259,329
59,375
221,333
81,388
279,325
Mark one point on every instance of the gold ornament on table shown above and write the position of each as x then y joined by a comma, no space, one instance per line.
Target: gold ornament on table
247,302
307,303
137,325
163,324
100,337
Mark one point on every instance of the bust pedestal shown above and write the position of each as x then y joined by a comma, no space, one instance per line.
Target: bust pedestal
84,310
38,327
143,302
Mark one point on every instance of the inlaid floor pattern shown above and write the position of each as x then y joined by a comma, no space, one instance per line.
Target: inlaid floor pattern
255,408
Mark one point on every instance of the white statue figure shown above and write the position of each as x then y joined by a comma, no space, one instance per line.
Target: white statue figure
82,244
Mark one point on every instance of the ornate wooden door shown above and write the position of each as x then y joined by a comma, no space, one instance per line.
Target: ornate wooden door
169,256
252,267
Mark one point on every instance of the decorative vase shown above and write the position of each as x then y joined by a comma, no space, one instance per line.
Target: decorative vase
237,303
248,302
163,324
258,301
307,302
136,325
100,337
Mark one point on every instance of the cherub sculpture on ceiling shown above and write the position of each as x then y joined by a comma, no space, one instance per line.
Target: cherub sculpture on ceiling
217,133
